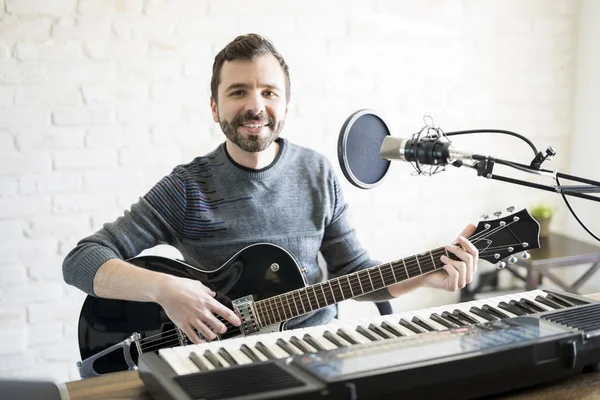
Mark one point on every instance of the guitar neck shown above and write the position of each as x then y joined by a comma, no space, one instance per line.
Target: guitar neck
302,301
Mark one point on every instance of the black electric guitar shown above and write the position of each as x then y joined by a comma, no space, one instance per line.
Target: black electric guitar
265,286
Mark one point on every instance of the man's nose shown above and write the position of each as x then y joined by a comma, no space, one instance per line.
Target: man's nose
256,103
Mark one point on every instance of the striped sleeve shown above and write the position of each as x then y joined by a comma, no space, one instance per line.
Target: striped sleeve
168,197
339,199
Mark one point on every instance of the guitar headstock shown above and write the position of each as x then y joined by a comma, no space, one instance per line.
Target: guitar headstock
504,237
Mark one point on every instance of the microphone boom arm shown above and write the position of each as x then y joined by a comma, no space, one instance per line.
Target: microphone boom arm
485,164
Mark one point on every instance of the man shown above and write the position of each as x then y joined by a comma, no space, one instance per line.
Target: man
256,187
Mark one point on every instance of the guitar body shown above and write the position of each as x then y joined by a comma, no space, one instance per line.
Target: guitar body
261,270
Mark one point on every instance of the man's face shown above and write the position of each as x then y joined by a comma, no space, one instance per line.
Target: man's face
252,103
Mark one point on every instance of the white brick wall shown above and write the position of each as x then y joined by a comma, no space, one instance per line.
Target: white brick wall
99,99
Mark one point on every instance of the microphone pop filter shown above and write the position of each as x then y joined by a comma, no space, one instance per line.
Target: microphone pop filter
358,149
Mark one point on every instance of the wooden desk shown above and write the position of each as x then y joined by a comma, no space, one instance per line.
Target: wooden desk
128,386
558,251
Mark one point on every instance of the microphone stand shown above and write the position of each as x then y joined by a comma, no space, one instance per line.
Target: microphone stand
485,165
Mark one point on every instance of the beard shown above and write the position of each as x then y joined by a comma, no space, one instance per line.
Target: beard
252,143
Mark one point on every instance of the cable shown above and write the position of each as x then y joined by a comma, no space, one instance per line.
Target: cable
575,215
529,142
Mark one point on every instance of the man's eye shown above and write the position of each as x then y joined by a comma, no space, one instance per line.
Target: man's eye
237,93
269,93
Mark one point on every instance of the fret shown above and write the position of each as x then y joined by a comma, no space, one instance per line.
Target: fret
419,265
376,284
337,290
332,293
305,291
341,289
261,314
301,301
393,273
278,313
406,269
370,280
350,285
324,295
391,279
381,274
282,304
432,260
316,297
360,283
268,304
295,304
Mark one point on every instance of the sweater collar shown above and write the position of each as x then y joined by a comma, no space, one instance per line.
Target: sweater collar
251,173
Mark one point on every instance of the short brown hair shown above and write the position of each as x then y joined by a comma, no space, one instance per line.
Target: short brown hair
246,47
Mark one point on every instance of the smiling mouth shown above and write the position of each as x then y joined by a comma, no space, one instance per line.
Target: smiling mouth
254,125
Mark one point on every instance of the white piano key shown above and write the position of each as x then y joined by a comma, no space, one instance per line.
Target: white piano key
175,361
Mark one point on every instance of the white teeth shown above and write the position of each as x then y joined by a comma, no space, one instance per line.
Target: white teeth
253,126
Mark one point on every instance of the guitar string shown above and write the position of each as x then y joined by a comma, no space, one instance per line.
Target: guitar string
410,266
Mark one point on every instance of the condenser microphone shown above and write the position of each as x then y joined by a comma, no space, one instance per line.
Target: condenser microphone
428,150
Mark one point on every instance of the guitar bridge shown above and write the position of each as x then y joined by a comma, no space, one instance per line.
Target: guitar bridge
244,308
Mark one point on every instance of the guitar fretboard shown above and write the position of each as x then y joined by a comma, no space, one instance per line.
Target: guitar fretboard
288,305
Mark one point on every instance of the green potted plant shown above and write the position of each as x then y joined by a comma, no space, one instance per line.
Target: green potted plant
543,214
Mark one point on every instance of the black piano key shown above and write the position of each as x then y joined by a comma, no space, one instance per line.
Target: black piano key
522,307
213,359
286,347
365,332
494,311
381,332
343,334
423,324
298,343
531,305
453,319
508,307
391,329
329,336
410,326
311,340
198,361
548,302
563,302
483,314
436,317
464,316
227,357
251,355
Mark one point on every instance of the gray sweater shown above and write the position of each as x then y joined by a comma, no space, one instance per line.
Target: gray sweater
212,207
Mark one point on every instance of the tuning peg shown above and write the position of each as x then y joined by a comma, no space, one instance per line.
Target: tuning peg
510,209
485,216
500,265
525,255
512,259
498,214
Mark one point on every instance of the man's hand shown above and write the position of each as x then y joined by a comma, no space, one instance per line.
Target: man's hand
191,305
457,273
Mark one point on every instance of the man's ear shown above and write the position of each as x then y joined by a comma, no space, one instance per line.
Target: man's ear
214,109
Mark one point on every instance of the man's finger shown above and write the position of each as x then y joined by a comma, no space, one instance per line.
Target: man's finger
224,312
192,335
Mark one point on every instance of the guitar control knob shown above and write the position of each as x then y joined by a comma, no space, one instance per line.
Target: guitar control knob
501,265
512,259
525,255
